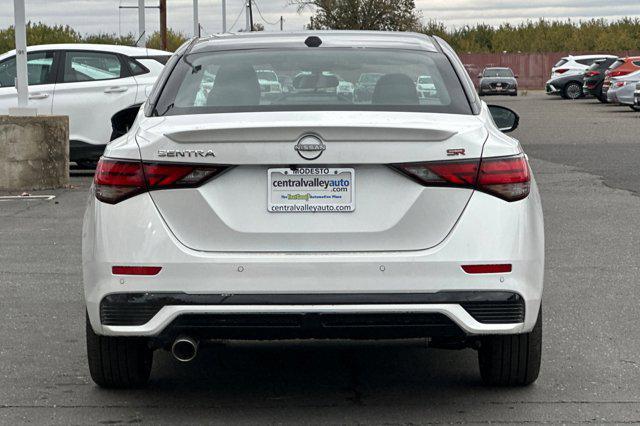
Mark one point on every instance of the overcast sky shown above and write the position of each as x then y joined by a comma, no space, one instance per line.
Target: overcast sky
90,16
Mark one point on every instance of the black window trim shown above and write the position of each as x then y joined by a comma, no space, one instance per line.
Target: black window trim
129,59
124,67
54,66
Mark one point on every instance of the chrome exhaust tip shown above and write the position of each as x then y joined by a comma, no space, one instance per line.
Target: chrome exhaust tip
184,349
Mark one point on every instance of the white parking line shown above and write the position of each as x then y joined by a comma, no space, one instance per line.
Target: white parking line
27,197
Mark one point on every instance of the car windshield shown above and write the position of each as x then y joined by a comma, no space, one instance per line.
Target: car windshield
382,79
498,72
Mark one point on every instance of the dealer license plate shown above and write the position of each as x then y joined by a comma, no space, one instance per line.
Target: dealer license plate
311,190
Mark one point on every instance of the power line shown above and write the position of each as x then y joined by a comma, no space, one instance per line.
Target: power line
262,17
236,21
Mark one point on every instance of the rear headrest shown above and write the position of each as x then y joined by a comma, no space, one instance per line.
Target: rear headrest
235,85
395,89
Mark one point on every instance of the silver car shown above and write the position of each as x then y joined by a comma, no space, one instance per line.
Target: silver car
622,90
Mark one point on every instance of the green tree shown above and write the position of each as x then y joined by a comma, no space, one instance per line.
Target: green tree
175,39
386,15
106,38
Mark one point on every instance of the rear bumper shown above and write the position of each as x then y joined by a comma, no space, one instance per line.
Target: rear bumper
412,282
312,315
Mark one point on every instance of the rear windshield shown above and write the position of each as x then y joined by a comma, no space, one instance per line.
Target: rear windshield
312,79
497,72
560,63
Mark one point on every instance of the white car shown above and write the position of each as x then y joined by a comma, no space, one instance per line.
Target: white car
316,217
425,86
88,82
571,65
622,90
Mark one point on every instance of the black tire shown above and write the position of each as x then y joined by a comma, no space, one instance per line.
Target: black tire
118,362
635,107
511,360
572,90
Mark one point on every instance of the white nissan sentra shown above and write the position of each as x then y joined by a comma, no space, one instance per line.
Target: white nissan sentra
225,213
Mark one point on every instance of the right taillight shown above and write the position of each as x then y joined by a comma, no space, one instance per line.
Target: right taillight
562,70
592,73
507,177
504,177
117,180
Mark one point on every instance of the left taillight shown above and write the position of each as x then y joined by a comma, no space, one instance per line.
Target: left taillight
508,178
117,180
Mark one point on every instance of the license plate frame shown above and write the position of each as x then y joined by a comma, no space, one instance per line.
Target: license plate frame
321,190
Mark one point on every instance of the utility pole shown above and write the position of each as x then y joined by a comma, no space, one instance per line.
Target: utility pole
224,16
142,36
248,16
196,22
163,24
22,82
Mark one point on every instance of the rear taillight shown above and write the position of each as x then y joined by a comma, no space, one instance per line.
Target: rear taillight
562,70
504,177
592,73
117,180
619,73
620,83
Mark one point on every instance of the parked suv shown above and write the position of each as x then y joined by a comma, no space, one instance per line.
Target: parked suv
594,78
89,83
498,81
314,215
619,68
576,64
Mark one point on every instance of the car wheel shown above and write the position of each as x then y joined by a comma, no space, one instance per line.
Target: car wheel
572,90
635,107
511,360
118,362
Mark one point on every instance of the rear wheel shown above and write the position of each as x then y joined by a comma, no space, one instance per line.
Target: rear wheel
635,107
511,360
118,362
572,90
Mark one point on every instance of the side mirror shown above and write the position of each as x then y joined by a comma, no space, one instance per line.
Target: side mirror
506,120
516,76
479,75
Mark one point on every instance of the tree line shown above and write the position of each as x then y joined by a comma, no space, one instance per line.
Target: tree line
532,36
40,33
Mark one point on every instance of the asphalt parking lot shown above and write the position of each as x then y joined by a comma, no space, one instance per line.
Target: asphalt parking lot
585,156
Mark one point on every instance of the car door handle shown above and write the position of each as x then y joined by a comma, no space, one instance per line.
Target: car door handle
117,89
38,95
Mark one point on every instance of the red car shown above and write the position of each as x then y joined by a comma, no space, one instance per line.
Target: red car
622,66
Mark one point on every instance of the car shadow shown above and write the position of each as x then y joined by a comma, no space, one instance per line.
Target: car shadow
272,374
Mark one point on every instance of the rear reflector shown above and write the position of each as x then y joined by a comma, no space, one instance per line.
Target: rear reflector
117,180
505,177
135,270
487,269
